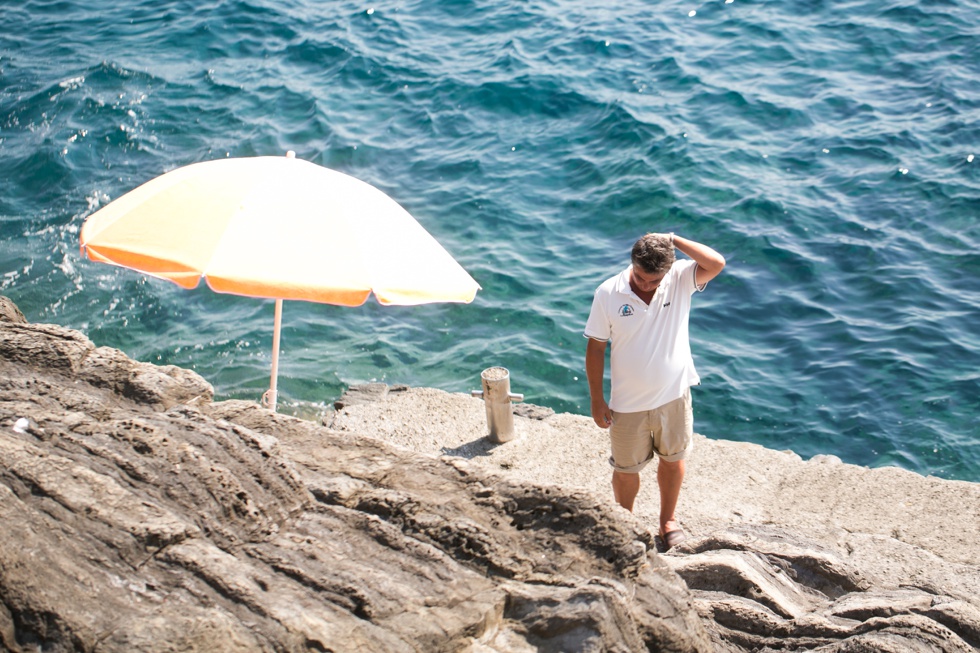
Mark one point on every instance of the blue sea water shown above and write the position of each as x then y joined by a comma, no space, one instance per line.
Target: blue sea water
830,150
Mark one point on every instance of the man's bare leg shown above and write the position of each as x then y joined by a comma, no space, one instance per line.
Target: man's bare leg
670,477
625,488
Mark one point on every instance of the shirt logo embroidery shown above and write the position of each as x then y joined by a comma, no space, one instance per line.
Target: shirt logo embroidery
625,310
667,304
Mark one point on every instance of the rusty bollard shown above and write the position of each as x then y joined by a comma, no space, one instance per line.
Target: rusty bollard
497,397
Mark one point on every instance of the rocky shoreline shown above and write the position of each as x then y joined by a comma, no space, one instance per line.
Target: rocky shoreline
139,515
780,548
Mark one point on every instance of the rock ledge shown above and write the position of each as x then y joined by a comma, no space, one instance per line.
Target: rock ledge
141,516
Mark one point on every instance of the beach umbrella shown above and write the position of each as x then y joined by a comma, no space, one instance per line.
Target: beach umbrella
277,228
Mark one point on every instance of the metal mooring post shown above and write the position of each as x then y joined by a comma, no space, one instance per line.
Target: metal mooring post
497,397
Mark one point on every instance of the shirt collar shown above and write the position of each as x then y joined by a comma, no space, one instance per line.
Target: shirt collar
623,282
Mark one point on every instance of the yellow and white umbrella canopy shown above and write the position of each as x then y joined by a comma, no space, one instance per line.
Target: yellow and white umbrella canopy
279,228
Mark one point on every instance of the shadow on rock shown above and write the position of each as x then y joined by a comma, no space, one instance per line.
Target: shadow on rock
140,516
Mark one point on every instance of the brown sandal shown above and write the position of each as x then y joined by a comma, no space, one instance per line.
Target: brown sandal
673,538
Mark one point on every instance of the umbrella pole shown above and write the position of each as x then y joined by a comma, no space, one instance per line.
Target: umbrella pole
273,394
270,398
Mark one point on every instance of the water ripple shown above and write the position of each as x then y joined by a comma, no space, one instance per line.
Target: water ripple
830,153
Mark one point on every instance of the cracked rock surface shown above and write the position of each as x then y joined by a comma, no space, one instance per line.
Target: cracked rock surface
783,554
140,516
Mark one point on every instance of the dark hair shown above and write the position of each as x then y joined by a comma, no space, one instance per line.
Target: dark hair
653,253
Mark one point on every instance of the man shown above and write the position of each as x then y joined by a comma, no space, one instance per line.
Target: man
643,312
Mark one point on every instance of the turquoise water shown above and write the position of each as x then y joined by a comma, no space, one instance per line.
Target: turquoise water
830,150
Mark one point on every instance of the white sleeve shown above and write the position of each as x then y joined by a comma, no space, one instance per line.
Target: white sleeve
686,271
597,326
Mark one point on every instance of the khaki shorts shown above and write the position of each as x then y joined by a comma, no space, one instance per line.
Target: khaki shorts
667,431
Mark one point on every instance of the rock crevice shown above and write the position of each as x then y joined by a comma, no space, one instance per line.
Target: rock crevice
139,515
769,564
156,520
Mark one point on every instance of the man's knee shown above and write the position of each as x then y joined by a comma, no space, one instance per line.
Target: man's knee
625,477
671,465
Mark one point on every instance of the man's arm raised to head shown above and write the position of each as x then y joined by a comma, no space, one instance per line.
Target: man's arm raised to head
710,263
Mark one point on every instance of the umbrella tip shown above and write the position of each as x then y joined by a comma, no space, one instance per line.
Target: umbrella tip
290,154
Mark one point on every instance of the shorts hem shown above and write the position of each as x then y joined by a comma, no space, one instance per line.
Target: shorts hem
675,457
632,469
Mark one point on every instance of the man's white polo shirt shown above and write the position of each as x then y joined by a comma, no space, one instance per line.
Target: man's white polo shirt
650,362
